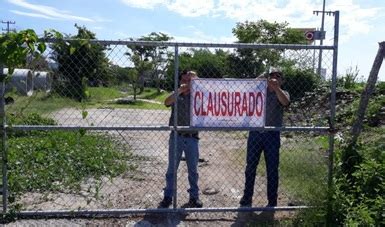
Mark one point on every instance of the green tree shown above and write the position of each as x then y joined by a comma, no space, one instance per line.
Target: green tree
150,61
136,76
119,74
133,78
207,63
252,62
298,81
80,63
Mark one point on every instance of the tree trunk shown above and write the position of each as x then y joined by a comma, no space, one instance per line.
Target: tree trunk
134,87
141,83
370,86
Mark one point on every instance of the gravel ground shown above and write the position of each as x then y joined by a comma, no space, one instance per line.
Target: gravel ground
221,178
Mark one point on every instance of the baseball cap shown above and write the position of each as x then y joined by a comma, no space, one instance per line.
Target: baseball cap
275,70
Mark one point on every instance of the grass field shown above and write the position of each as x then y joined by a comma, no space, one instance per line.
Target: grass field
43,103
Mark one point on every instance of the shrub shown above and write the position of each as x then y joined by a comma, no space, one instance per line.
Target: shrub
27,119
349,81
60,160
380,87
298,81
50,161
359,185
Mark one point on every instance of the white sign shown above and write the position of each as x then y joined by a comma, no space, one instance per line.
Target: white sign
228,102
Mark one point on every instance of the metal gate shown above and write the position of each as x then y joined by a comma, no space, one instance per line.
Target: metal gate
111,130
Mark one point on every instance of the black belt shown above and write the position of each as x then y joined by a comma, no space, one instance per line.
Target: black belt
188,134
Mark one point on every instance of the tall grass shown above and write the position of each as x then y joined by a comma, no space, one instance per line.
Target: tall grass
303,169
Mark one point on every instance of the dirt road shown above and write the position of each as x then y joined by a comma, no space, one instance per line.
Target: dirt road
221,171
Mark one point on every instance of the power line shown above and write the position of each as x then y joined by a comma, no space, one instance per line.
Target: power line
8,29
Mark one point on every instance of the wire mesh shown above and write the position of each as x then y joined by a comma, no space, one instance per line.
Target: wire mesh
109,85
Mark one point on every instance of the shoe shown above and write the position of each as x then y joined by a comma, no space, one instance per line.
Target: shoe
195,202
166,202
245,202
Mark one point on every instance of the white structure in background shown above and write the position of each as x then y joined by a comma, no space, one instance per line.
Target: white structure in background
21,80
323,73
42,81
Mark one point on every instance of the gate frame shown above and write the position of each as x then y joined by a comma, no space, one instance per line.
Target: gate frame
174,209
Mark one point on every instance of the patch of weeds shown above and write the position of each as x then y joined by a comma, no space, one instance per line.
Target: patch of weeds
26,119
303,169
60,161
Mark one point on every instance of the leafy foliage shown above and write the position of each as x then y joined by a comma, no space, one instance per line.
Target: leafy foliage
16,46
359,185
252,62
356,198
57,160
29,119
374,110
151,61
80,63
208,64
49,161
299,81
349,80
380,88
373,114
360,173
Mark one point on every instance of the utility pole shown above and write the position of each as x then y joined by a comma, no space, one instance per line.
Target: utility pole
321,35
8,29
321,40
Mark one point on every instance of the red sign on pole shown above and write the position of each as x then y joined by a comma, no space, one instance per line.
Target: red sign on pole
309,35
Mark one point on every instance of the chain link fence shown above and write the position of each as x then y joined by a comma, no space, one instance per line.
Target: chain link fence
93,136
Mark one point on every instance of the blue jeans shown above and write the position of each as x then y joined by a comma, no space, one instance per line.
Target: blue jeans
269,142
191,150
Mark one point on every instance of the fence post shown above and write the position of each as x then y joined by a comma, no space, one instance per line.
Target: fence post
332,115
4,159
175,140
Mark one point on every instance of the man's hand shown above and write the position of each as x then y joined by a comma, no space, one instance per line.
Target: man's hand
184,89
273,84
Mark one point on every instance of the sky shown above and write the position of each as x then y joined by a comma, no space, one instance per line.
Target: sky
362,22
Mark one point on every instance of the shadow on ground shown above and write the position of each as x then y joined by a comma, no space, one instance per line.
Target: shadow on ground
264,218
162,219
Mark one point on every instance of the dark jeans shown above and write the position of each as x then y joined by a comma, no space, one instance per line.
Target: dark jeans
268,142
